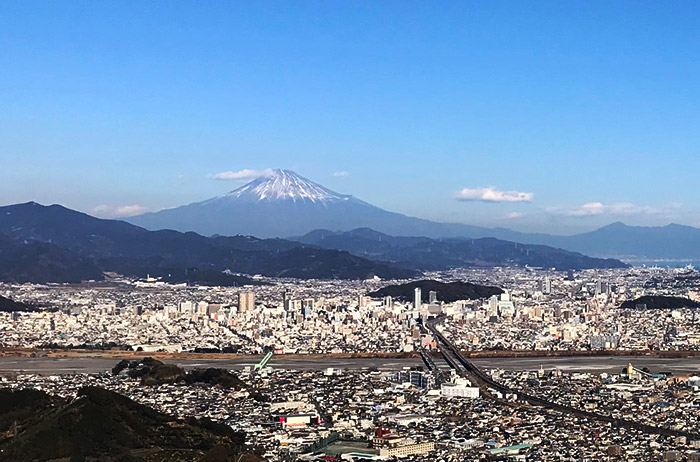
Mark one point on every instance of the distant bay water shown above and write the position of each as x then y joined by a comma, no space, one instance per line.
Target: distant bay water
664,263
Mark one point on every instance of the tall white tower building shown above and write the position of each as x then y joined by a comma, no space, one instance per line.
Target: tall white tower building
417,298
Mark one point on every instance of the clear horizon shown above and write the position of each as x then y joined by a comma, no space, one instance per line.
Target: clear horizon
538,117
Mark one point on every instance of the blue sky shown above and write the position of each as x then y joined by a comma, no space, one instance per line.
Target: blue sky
590,110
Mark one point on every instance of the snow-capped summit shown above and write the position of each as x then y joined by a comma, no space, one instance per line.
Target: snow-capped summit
284,185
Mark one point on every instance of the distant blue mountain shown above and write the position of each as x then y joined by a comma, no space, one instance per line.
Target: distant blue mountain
284,204
55,244
627,242
426,254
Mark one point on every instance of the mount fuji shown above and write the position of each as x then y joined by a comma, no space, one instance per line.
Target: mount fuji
284,204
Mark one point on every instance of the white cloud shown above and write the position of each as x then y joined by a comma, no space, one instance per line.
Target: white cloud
117,211
619,208
591,208
493,195
244,174
341,173
514,215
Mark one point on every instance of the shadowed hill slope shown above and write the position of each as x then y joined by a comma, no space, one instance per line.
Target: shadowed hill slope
103,424
446,291
55,244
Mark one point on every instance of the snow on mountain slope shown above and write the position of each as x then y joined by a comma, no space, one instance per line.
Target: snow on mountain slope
283,184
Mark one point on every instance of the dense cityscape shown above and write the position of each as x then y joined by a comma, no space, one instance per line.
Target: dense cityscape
539,310
432,410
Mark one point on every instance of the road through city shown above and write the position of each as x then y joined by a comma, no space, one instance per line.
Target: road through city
54,366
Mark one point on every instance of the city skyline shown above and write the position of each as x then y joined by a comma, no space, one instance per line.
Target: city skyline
543,117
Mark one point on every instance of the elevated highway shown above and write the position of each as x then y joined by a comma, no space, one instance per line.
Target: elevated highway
484,381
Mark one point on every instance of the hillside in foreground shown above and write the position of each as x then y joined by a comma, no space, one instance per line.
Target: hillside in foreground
103,425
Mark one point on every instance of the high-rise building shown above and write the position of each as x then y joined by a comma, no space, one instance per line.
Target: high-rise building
416,378
417,298
602,287
432,297
246,302
186,307
506,307
493,305
136,310
537,313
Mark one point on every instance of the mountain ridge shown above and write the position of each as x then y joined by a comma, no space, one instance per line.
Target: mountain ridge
672,241
426,254
70,246
283,204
